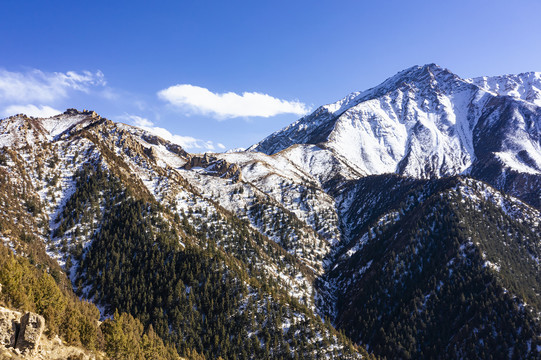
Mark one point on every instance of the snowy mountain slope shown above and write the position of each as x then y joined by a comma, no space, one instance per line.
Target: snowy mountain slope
421,80
322,164
278,199
427,122
156,167
415,124
285,206
70,178
526,86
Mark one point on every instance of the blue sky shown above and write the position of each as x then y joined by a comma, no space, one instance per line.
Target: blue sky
225,74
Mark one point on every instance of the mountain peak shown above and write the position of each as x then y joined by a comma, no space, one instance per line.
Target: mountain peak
429,80
20,129
427,122
425,76
419,69
420,75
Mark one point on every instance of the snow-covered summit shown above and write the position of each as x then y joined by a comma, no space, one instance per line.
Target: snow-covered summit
426,122
525,86
421,77
22,130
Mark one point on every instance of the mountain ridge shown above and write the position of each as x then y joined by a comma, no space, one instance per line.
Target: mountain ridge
307,237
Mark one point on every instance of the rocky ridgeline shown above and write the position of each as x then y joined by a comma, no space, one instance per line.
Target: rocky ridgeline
90,113
174,148
214,166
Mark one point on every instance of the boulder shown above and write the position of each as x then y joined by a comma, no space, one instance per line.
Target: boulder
32,326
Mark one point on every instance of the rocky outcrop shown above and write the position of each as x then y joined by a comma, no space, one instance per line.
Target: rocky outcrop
9,326
32,326
91,113
199,161
177,149
20,332
214,166
22,338
174,148
151,153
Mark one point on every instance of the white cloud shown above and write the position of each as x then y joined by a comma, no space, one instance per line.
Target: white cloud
30,110
221,146
39,86
187,142
229,105
136,120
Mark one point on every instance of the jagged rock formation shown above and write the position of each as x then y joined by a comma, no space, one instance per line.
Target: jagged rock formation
22,332
214,166
31,328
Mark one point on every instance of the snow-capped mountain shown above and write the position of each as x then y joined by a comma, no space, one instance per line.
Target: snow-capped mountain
390,212
427,122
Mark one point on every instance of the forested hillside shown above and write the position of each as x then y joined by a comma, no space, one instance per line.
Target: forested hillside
199,279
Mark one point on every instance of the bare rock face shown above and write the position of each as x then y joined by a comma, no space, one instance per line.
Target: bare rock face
199,161
216,167
9,326
32,326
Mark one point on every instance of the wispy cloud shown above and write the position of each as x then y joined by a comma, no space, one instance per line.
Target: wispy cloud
200,100
187,142
42,87
30,110
35,92
136,120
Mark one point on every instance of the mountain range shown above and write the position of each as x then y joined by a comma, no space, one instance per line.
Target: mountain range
399,222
